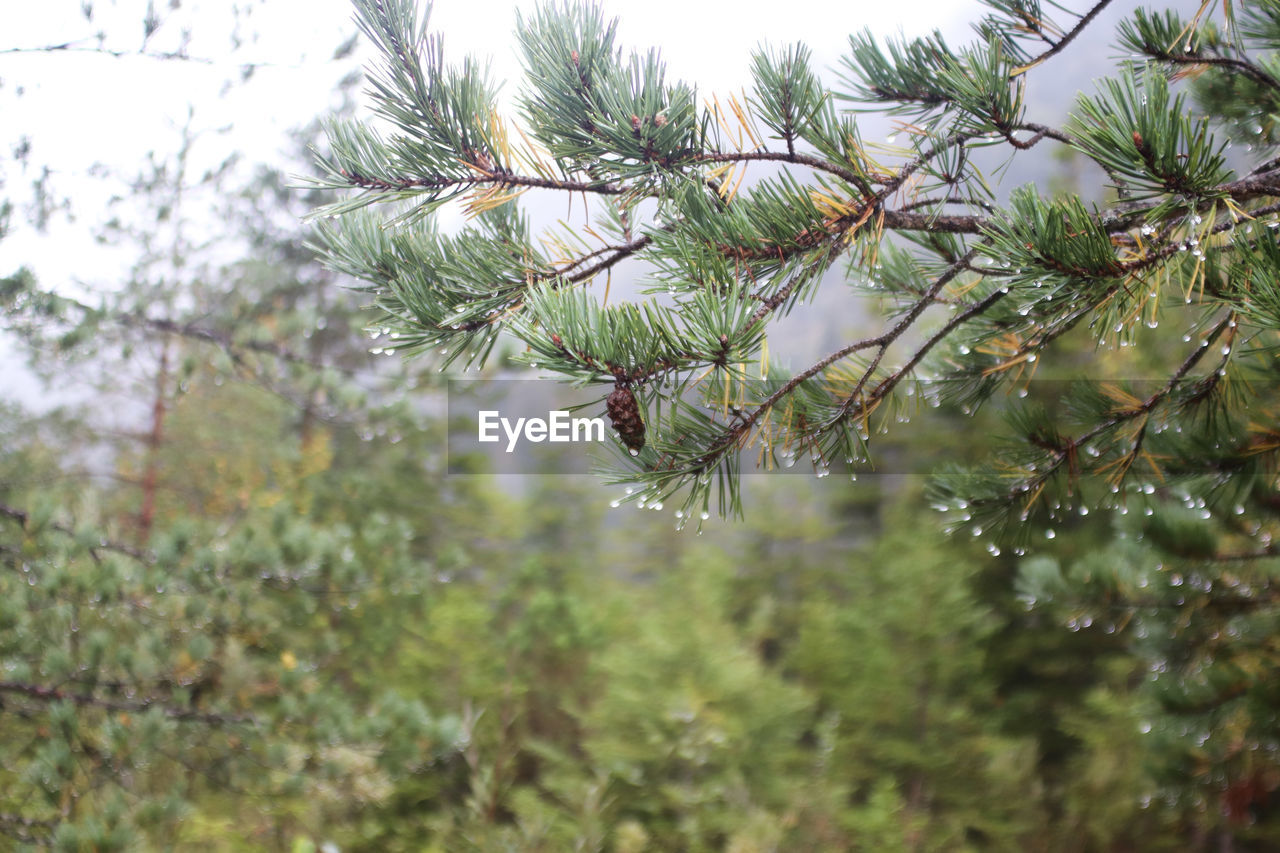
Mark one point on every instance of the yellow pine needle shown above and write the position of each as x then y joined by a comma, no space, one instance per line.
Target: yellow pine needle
533,155
570,238
830,206
725,186
744,120
720,171
1023,69
1151,461
718,112
1009,363
498,136
958,290
764,457
475,167
911,129
1121,467
742,174
866,214
1126,402
489,199
1033,496
1237,212
608,282
558,252
702,376
1195,21
876,239
764,358
1267,438
587,228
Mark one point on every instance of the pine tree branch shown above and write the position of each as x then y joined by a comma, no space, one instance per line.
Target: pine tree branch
1068,452
942,200
900,328
1062,43
53,694
220,339
1040,132
618,254
500,179
1248,69
732,435
799,159
102,544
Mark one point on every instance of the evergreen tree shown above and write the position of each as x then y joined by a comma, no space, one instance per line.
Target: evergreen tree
177,608
1130,330
979,281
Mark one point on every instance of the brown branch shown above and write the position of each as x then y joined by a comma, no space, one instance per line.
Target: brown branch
496,178
620,253
798,159
53,694
213,336
905,323
1064,454
1062,43
882,341
1245,67
23,518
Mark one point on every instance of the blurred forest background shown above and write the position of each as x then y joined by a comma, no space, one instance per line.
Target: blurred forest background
242,606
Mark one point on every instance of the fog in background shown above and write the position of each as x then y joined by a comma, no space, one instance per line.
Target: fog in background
81,121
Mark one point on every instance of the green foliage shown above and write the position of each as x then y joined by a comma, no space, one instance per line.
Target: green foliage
277,625
1002,280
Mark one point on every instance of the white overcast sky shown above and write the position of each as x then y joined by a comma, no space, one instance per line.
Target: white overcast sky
80,109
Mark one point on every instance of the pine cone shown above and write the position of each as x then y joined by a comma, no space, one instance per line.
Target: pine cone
625,416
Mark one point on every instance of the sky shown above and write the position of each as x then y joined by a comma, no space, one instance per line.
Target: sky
82,110
92,118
